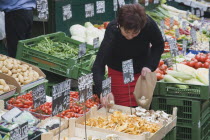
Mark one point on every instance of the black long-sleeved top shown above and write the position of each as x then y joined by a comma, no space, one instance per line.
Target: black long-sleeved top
115,48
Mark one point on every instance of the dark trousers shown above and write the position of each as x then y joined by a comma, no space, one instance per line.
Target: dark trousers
18,25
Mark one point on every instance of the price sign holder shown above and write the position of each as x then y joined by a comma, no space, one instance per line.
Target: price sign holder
202,12
192,10
193,35
106,89
20,132
179,17
128,75
162,24
187,14
100,7
184,47
39,95
85,86
89,10
163,34
61,99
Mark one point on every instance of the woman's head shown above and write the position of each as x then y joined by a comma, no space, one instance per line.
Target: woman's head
131,19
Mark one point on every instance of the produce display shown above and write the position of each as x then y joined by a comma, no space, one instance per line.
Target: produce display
4,87
22,73
124,123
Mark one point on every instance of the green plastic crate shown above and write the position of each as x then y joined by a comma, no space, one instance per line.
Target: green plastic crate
67,68
193,92
190,112
171,135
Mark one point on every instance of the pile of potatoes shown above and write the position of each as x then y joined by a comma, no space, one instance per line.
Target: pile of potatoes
23,73
3,86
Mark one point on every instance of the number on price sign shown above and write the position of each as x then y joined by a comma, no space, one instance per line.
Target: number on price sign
96,42
100,7
115,5
61,97
128,72
184,46
39,95
67,12
20,132
82,50
121,2
85,86
106,86
89,10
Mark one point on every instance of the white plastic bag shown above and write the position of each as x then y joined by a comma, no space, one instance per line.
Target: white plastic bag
2,26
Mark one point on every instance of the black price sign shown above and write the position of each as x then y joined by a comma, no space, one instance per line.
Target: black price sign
171,22
85,86
82,50
106,86
193,35
96,42
20,132
67,12
100,7
184,46
61,97
193,11
89,10
162,24
146,2
39,95
177,33
198,13
173,47
42,9
128,72
121,2
202,12
115,5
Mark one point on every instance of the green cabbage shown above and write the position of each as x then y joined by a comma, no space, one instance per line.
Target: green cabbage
179,75
171,79
203,75
185,69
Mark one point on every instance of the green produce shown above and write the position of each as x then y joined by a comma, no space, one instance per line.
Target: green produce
171,79
203,75
193,82
6,137
179,74
186,69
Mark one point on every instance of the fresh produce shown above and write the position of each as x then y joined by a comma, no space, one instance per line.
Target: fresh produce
4,87
184,68
22,72
161,70
123,123
45,109
23,102
202,75
171,79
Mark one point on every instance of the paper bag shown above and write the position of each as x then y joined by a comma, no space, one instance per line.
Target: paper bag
145,87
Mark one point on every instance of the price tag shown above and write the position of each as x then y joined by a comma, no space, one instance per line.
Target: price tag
96,42
100,7
61,97
135,1
187,14
82,50
8,116
106,87
184,47
42,9
156,1
193,35
184,25
193,11
198,13
173,47
128,72
171,22
162,24
89,10
121,3
163,34
67,12
115,5
179,17
85,86
202,12
39,95
146,2
20,132
177,33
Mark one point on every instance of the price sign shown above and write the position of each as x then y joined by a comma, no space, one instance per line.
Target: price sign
96,42
39,95
121,3
8,116
162,24
20,132
179,17
82,50
89,10
42,9
202,12
115,5
100,7
171,22
67,12
61,97
85,86
184,46
163,34
106,86
156,1
193,35
198,13
177,33
184,25
173,47
128,72
146,2
193,11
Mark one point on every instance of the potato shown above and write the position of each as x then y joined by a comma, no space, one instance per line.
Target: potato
15,66
19,70
27,81
20,77
26,74
9,73
1,87
1,64
4,69
14,75
17,79
26,78
24,68
6,88
1,91
14,71
18,62
2,82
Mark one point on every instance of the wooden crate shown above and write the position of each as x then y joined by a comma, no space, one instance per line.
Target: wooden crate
77,129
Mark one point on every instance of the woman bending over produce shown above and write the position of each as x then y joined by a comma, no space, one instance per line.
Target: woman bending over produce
134,35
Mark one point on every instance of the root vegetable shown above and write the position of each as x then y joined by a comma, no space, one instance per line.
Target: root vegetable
1,64
15,66
19,70
24,68
6,88
20,77
1,87
2,82
14,71
3,57
9,73
9,66
4,69
27,81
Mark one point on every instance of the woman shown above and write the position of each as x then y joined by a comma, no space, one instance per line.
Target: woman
134,35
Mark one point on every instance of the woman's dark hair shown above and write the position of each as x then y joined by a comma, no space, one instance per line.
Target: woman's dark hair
132,17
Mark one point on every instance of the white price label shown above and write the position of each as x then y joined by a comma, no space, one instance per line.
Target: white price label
67,12
121,2
100,7
89,10
82,50
156,1
173,47
115,5
198,13
128,72
193,35
146,2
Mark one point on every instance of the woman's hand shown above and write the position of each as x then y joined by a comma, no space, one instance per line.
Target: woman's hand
144,71
108,100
